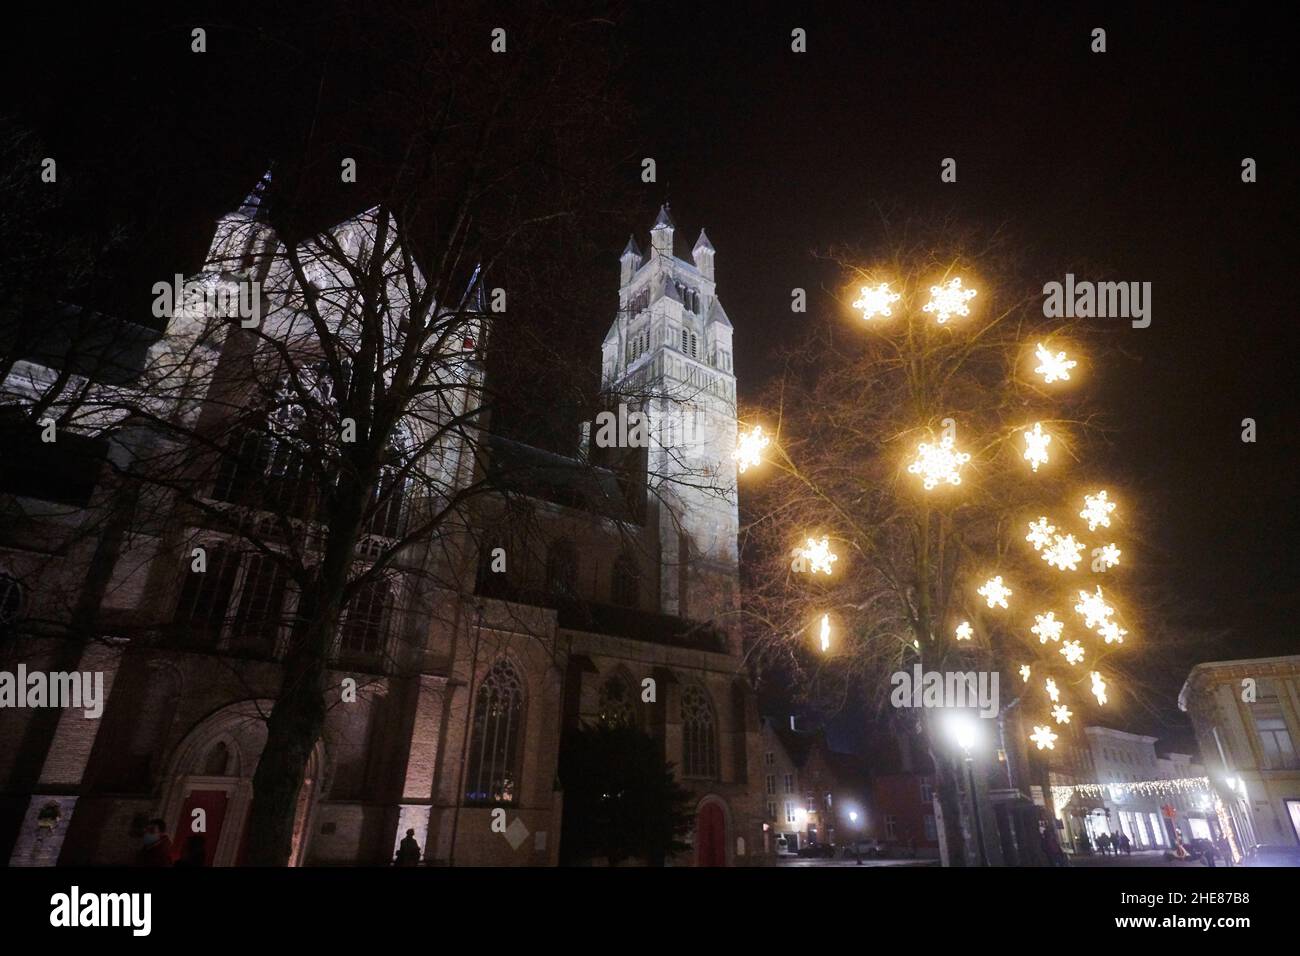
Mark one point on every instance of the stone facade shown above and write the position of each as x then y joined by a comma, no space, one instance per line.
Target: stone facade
643,627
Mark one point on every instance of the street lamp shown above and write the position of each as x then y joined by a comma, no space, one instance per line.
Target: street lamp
965,732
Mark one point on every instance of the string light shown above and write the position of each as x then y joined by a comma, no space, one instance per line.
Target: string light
1112,632
948,300
1052,690
1047,627
1053,367
1065,552
1073,651
1036,442
826,632
1044,737
1062,793
749,449
938,463
1110,555
1040,532
964,631
876,301
1024,673
816,556
1096,510
1061,714
1094,608
995,592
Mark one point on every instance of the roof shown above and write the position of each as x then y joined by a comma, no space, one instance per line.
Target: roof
664,218
718,314
558,479
1203,669
104,349
631,249
703,243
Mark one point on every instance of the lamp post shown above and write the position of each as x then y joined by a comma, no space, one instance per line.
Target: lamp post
964,732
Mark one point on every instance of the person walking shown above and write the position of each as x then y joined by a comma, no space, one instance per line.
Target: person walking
408,851
156,846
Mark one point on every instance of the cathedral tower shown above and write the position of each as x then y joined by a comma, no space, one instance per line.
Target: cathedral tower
669,354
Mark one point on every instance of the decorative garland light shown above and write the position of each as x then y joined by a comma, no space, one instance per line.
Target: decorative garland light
1047,627
1044,737
964,631
816,556
749,449
876,301
1036,442
1062,793
1096,510
1073,651
948,299
938,463
1053,367
995,592
1110,555
1065,553
1040,532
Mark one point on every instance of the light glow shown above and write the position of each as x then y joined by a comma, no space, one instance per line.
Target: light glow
1096,510
1044,737
1098,688
876,301
749,449
1096,612
826,632
1073,651
1052,690
1053,367
1040,532
815,556
948,300
1047,627
938,463
1110,555
995,592
1062,714
964,631
1036,442
1112,632
1065,552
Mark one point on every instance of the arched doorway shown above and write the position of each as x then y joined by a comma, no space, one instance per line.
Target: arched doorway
710,835
212,771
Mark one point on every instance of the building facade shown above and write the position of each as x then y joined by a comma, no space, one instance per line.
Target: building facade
611,601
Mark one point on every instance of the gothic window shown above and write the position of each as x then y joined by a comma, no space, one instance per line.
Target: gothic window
562,569
388,499
699,735
261,603
617,703
363,626
494,738
626,582
205,596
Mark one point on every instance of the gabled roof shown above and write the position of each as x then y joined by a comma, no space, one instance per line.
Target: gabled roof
718,314
703,243
664,219
631,249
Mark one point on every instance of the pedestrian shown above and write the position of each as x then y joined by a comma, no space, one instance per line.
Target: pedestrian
156,846
195,852
408,851
1125,844
1103,844
1051,848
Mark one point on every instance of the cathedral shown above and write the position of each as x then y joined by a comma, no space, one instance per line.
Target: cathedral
613,599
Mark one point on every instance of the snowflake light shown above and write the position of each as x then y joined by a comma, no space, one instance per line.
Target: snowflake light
1024,673
1062,714
815,556
1073,651
1040,532
826,632
1044,737
1047,627
948,300
876,301
936,463
1064,553
964,631
1098,688
1036,442
1052,690
1096,510
995,592
1110,555
1112,632
1053,367
749,449
1094,608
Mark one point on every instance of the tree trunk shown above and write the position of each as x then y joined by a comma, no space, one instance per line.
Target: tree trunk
950,802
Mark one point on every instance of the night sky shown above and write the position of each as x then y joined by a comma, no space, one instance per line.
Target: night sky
1123,165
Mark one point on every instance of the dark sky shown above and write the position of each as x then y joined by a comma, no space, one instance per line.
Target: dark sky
1127,162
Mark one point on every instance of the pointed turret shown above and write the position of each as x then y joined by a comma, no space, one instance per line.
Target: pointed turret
255,204
703,255
629,261
661,234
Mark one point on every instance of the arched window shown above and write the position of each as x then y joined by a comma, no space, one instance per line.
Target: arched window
261,605
494,737
617,702
215,763
363,628
204,603
388,499
562,569
699,735
625,585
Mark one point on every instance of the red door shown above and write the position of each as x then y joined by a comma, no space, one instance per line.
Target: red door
213,804
710,836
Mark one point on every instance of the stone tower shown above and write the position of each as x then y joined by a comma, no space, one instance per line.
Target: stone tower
669,353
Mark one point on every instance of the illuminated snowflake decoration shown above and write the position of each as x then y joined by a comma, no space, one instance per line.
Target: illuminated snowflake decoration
1098,688
938,463
1040,532
994,592
1112,632
1047,627
1110,555
874,302
1061,714
1052,690
1044,737
1096,510
749,449
816,556
1096,612
826,632
948,300
1053,367
1024,673
1073,651
964,631
1036,442
1065,553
